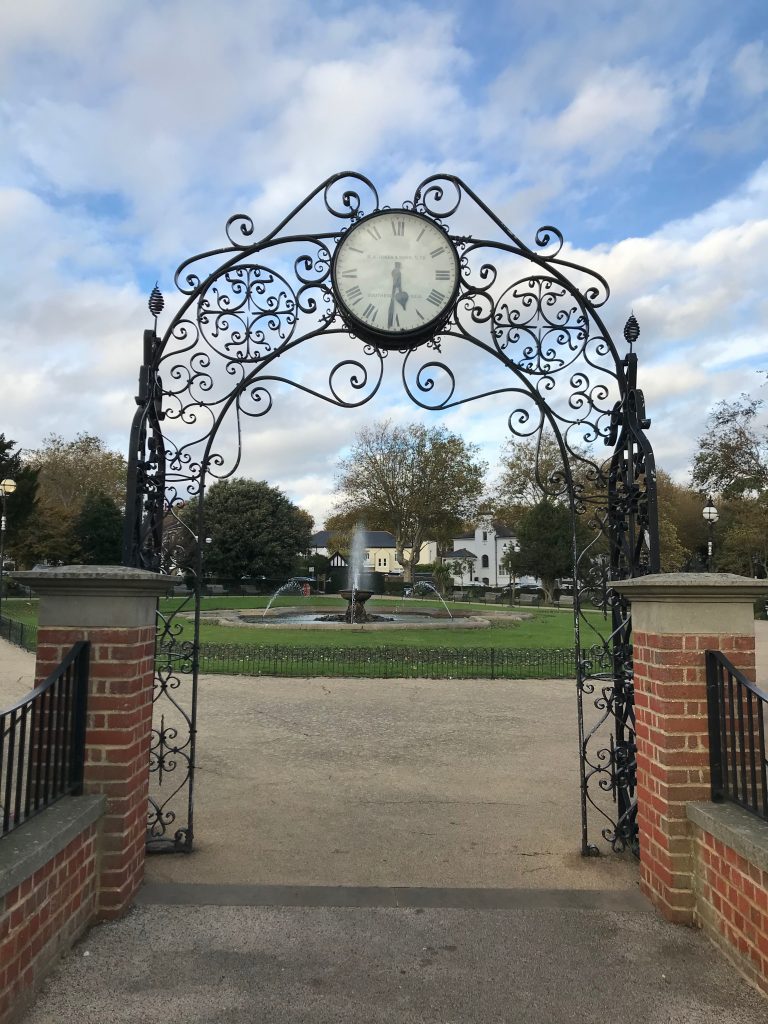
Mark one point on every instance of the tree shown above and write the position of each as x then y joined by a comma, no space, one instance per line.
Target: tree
70,470
732,456
20,505
67,473
463,566
97,531
416,482
682,530
544,533
532,470
255,530
741,544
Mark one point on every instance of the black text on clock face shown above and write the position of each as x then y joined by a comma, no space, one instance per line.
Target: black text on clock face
396,272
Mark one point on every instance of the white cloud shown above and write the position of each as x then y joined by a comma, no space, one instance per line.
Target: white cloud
750,68
130,132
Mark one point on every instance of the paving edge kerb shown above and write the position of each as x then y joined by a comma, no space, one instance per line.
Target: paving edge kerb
36,842
743,832
395,897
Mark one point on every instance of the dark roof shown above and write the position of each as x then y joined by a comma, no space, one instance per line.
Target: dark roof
371,539
460,553
502,530
497,525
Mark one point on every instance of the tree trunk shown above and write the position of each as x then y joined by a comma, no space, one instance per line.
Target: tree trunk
548,586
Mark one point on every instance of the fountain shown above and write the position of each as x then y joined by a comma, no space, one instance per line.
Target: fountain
290,585
356,614
424,585
354,594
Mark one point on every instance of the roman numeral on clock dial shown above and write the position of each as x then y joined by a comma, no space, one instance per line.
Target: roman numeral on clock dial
435,297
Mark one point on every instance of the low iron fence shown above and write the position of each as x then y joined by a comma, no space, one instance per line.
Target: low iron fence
737,720
19,633
42,742
387,662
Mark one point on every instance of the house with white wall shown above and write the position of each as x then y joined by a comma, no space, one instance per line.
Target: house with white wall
484,548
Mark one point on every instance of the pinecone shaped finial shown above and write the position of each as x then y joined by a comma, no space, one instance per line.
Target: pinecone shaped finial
631,331
156,301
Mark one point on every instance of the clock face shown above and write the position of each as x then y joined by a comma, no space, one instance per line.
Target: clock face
395,275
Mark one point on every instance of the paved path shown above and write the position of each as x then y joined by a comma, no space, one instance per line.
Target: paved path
389,783
273,919
546,960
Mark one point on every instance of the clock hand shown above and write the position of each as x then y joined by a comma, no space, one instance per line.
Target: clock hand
396,288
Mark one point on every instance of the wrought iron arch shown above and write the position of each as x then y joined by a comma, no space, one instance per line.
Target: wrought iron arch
530,312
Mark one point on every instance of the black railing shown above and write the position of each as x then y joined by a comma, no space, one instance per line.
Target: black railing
387,662
19,633
42,742
737,722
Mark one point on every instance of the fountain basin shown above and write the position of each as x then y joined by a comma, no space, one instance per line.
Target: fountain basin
300,617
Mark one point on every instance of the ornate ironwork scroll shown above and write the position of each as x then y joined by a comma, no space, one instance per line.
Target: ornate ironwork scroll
525,333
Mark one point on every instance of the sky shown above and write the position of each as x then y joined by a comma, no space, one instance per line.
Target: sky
130,131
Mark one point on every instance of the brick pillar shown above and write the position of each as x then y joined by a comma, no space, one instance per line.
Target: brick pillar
113,608
676,617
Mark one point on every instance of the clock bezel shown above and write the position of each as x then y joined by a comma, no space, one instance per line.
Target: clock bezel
381,336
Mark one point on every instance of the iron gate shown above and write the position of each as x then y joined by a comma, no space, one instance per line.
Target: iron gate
530,316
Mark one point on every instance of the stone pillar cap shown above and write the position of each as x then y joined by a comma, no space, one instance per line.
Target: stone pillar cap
66,580
691,586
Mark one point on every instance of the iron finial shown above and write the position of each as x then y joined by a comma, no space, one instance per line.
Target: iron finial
156,301
631,331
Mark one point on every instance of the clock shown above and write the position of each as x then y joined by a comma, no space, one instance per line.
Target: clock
395,275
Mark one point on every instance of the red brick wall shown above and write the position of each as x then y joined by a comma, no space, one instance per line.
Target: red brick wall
732,904
117,740
673,755
43,916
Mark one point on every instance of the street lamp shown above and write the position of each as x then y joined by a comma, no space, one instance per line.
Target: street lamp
711,515
514,547
6,487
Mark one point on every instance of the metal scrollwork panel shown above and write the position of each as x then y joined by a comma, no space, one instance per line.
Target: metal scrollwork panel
525,332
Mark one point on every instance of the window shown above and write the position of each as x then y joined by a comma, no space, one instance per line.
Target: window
501,568
484,563
379,562
485,535
485,580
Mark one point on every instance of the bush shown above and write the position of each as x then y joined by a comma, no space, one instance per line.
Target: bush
394,587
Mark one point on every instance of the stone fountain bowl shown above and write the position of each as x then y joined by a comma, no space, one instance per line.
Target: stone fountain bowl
359,596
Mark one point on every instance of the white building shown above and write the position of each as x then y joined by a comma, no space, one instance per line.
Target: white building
483,550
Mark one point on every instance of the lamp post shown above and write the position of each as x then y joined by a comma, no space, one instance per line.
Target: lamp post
6,487
514,547
711,515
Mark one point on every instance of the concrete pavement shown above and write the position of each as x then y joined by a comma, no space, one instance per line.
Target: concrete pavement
407,782
534,964
396,851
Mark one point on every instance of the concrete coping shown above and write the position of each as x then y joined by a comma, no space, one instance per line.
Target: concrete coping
30,846
96,581
697,587
735,827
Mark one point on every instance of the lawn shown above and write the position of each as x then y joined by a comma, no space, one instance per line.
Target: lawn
542,629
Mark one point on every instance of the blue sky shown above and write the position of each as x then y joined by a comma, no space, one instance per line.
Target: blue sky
130,132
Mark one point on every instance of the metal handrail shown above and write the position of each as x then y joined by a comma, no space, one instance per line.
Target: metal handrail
738,714
42,742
